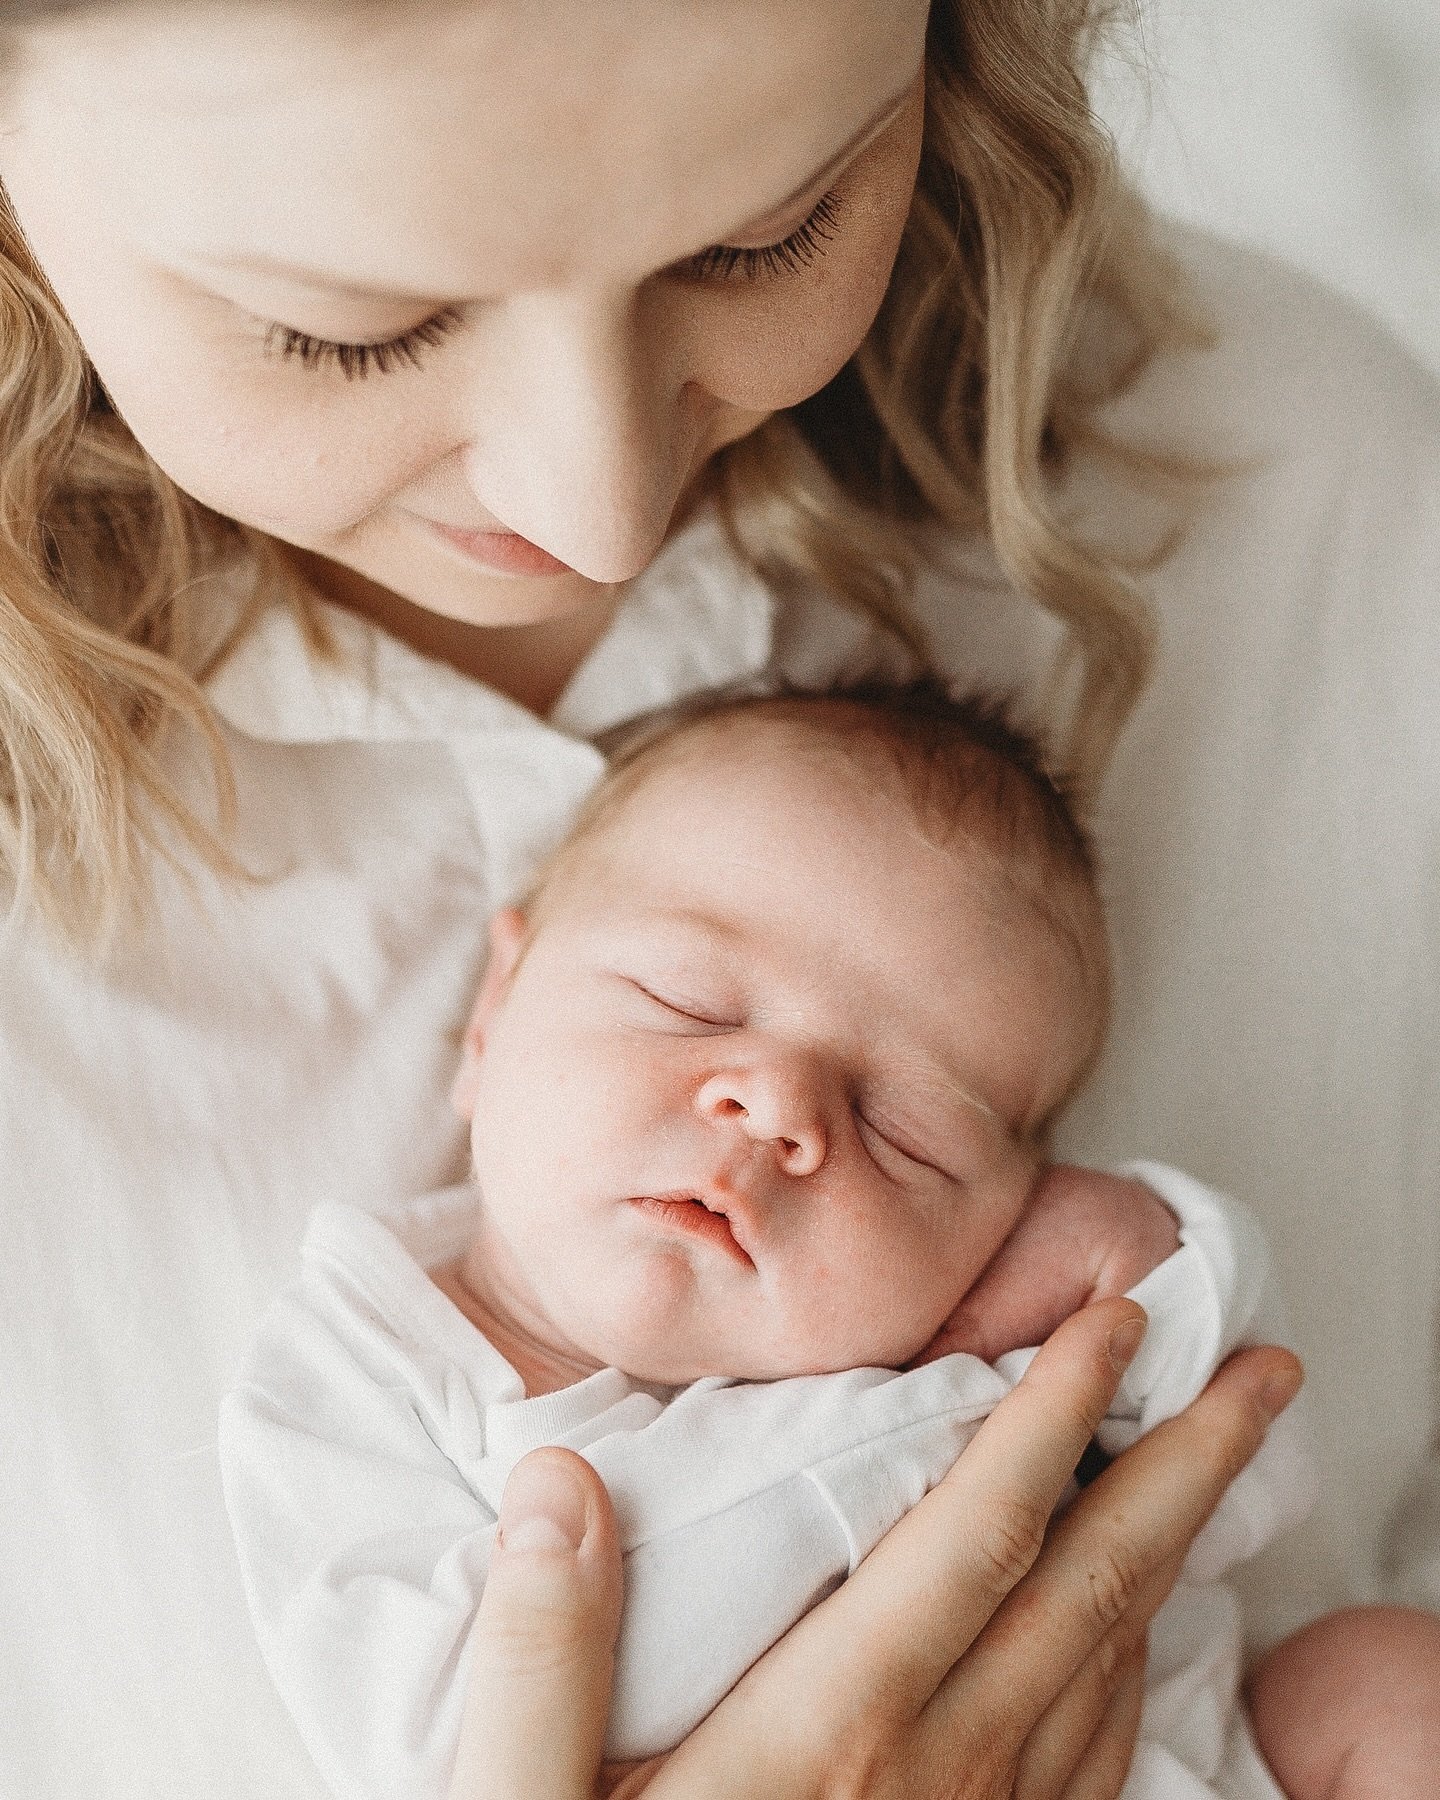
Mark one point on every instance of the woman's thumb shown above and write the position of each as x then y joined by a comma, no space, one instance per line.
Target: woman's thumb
542,1646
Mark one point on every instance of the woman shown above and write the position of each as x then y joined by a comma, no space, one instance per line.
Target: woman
447,331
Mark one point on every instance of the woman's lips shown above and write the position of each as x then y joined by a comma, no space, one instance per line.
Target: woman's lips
505,551
685,1214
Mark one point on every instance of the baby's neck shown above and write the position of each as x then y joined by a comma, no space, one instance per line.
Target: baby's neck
542,1365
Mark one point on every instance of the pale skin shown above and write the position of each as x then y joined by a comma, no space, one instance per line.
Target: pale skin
407,165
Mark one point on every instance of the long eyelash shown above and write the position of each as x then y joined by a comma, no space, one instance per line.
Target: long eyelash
355,360
796,252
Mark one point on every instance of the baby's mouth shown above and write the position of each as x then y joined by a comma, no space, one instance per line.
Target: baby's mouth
694,1217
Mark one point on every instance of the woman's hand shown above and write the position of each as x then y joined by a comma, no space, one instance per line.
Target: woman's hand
542,1646
972,1656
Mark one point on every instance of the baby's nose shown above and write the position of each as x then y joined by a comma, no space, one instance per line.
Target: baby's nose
774,1106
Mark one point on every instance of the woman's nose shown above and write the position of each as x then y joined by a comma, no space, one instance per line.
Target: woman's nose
775,1103
583,432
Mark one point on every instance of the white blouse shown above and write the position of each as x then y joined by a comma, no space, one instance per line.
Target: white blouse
1272,839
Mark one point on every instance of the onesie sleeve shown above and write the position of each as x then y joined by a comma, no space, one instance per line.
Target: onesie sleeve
744,1504
1212,1296
362,1550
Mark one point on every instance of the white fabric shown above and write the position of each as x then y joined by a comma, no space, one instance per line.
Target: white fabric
366,1447
1272,834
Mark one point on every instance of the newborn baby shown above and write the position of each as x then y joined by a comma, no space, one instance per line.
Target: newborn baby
760,1080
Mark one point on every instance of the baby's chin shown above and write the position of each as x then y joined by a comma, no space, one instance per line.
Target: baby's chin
657,1328
664,1364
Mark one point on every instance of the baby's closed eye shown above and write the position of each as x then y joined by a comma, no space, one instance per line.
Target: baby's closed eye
688,1007
894,1141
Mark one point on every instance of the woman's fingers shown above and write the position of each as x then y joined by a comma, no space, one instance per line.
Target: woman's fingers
1110,1559
542,1646
1085,1709
869,1658
928,1588
915,1682
1082,1714
1100,1774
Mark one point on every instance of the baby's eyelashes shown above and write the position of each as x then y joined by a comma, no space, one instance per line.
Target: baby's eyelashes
892,1139
896,1147
691,1010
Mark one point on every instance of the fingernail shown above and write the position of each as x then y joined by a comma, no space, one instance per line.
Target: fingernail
542,1508
1281,1388
1124,1342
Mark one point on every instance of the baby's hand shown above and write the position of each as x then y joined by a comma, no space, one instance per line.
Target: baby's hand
1083,1236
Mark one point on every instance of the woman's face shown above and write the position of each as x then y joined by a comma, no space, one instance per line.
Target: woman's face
519,204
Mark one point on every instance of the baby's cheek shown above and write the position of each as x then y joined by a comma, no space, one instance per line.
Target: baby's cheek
877,1296
947,1258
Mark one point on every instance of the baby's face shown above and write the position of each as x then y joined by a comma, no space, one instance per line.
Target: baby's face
756,1098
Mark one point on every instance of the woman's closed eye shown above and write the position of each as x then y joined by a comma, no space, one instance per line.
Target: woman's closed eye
355,360
724,261
721,262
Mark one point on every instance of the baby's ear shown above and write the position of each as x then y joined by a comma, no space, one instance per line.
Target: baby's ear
507,940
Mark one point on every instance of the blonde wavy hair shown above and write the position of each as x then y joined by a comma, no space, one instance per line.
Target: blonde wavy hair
956,412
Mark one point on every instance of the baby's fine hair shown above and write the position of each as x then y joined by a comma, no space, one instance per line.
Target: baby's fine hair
973,776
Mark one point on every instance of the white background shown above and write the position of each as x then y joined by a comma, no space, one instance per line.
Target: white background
1309,127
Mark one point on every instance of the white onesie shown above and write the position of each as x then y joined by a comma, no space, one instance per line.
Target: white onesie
366,1445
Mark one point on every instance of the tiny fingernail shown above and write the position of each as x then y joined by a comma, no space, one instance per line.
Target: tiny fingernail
1124,1342
542,1508
1280,1389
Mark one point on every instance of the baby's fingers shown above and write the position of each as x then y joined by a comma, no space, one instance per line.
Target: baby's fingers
542,1647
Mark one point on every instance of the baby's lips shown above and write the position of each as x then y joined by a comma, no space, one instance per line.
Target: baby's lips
691,1211
740,1215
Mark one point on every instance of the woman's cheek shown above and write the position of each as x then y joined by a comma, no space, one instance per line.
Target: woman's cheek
253,444
773,343
297,452
202,399
773,348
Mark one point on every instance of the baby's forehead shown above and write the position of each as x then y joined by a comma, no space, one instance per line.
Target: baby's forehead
768,749
760,856
740,765
829,759
818,770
